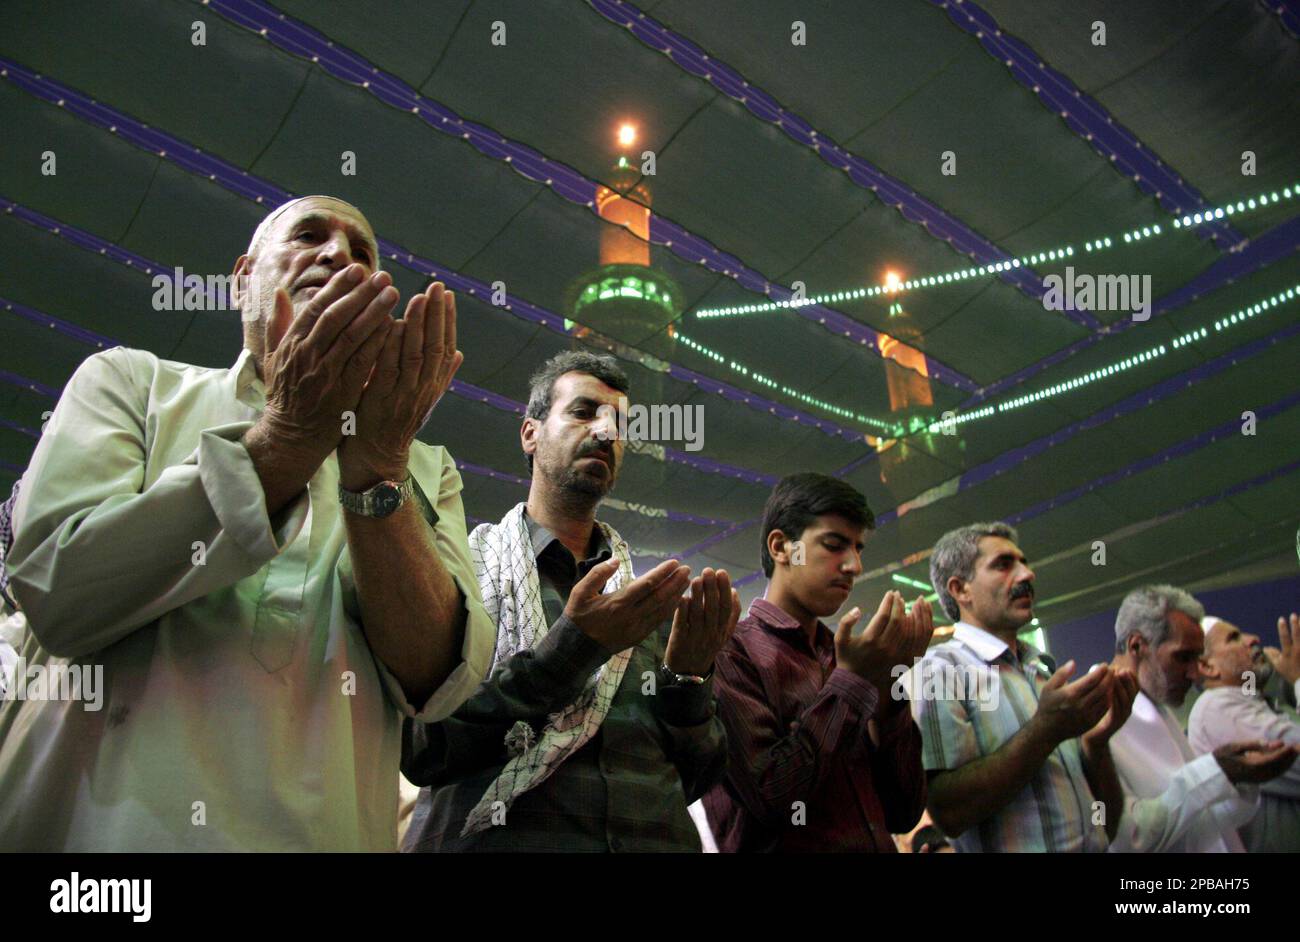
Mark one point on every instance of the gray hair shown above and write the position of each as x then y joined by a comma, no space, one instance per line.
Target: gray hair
1146,611
541,387
955,555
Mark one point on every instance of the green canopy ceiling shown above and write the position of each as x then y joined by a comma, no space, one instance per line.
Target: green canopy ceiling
895,86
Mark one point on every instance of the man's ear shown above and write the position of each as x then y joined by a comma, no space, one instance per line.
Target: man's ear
959,589
1207,670
776,547
239,281
528,432
1133,646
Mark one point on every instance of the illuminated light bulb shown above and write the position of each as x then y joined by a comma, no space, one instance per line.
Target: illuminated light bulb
627,135
1218,214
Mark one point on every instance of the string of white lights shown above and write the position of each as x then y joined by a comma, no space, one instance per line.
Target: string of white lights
1223,323
895,285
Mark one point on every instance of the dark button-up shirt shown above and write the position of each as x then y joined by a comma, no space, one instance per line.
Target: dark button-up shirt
658,749
803,774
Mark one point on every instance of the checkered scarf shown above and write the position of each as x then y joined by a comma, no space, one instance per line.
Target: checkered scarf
7,540
507,575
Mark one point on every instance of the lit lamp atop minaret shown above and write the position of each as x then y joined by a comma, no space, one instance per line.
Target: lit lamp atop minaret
625,298
911,399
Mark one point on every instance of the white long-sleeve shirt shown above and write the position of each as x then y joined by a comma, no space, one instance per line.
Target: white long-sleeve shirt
242,708
1173,800
1226,714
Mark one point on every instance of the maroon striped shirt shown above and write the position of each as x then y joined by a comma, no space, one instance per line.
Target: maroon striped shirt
803,774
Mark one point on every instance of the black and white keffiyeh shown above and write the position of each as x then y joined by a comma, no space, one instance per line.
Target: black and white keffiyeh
507,574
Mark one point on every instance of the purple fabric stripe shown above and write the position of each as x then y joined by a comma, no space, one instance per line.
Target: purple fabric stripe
29,432
718,538
1241,487
1231,428
80,334
912,206
1287,12
22,382
299,39
1087,118
265,193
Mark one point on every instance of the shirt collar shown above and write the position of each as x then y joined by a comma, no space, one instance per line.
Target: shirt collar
772,616
777,620
542,538
988,646
245,384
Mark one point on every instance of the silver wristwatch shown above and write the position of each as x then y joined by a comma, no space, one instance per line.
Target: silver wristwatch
381,500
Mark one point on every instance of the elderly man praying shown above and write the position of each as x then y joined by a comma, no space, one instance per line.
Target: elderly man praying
267,596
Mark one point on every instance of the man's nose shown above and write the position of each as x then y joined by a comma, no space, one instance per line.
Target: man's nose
605,426
853,563
336,251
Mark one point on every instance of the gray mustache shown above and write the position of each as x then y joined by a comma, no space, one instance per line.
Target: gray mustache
1022,590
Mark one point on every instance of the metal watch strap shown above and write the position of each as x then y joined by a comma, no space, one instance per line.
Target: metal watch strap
686,679
363,502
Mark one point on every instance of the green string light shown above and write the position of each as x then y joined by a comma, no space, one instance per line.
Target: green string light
934,427
1091,246
1127,363
764,380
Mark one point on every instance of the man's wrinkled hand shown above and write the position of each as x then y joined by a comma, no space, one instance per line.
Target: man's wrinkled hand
319,368
413,371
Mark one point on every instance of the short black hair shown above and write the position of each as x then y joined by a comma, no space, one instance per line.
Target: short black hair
799,499
541,387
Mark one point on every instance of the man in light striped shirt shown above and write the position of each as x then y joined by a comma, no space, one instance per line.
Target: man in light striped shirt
1020,760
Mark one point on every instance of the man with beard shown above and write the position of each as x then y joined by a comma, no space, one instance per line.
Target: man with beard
822,757
589,734
1015,771
1184,803
266,596
1234,707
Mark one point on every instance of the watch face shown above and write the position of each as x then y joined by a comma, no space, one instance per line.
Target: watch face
387,498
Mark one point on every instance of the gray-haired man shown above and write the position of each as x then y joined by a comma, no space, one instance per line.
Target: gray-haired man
262,595
1016,770
1184,803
